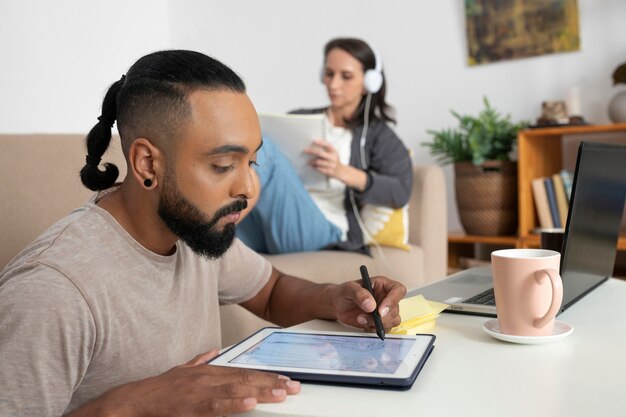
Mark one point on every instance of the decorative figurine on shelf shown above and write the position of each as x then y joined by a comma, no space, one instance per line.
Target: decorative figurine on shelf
554,113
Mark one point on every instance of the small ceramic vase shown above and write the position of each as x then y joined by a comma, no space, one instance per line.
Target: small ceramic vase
617,108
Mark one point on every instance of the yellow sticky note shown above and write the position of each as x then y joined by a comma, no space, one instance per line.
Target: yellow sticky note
415,306
422,328
418,320
437,307
418,315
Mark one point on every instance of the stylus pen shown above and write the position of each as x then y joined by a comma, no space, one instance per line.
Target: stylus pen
367,284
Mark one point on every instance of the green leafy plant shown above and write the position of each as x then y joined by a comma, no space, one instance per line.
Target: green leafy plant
619,75
490,136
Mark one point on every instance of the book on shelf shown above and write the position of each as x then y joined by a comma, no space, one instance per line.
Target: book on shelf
567,178
541,203
561,198
550,194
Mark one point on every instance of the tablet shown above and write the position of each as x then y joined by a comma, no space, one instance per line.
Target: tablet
333,357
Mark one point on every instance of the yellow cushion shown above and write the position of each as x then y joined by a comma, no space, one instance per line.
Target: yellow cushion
386,226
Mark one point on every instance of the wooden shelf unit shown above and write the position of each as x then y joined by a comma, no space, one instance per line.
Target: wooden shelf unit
461,245
540,154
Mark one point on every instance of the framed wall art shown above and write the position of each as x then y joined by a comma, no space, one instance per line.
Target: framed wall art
499,30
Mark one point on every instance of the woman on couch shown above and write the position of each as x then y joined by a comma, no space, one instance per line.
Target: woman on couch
364,160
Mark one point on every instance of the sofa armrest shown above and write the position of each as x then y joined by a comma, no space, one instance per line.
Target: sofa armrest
428,219
39,184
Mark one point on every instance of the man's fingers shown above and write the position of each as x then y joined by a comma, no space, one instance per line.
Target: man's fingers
224,406
291,386
279,392
250,377
392,292
392,318
363,299
203,358
389,307
271,381
355,303
354,293
262,394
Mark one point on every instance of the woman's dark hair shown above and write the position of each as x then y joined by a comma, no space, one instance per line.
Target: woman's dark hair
151,101
362,52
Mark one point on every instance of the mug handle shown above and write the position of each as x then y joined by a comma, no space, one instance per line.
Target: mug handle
557,295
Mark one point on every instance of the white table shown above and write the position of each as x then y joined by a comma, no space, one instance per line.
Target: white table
472,374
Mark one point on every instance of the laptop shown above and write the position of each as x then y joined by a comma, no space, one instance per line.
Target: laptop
589,243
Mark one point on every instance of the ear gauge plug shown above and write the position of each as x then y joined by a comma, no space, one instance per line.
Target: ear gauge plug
147,183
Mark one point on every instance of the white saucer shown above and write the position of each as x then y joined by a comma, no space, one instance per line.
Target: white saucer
561,330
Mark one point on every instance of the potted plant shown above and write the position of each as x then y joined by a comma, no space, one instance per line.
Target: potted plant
617,105
485,176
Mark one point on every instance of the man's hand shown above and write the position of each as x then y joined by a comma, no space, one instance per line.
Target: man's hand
193,389
354,304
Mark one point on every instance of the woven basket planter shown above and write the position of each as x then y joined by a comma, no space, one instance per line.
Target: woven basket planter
486,197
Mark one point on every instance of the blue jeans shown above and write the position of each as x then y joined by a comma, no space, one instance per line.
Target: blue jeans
285,218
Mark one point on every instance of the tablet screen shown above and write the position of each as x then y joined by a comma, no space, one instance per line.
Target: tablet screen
332,356
327,352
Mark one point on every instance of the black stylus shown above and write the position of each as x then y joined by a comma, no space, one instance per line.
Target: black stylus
367,284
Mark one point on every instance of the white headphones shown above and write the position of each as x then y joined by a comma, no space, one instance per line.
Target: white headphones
373,78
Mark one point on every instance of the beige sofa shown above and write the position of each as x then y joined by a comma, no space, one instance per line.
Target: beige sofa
39,184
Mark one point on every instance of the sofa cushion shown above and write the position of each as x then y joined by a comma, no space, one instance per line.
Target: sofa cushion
340,266
386,226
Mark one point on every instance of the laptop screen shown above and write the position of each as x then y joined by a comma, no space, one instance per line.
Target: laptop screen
593,222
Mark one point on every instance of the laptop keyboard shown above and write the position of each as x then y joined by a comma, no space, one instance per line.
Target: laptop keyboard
485,298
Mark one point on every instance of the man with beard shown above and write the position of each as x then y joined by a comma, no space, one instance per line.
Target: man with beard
98,314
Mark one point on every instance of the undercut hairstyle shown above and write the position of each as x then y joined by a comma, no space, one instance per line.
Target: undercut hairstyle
361,51
150,101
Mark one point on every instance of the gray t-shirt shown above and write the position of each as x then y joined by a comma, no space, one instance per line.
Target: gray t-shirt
86,308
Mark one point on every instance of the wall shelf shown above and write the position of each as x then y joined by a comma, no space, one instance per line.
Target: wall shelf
541,153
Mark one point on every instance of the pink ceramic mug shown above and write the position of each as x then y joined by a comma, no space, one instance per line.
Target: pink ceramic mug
528,290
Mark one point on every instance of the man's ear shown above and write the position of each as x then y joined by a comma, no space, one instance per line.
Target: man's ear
146,163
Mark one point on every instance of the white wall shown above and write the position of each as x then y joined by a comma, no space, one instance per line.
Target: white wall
59,57
58,60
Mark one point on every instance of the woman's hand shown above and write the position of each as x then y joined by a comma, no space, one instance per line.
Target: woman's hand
325,158
326,161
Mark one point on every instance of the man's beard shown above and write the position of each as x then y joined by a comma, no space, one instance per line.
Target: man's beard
187,222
